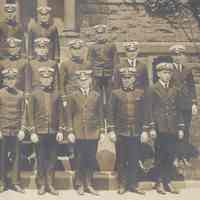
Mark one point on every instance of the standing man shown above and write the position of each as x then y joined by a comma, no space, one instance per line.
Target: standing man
76,61
166,123
84,124
12,119
131,61
9,27
183,78
125,119
45,111
102,56
44,27
15,59
41,48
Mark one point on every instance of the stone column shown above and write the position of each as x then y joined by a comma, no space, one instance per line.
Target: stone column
70,18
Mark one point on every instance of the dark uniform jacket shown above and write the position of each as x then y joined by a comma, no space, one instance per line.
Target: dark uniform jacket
45,111
84,115
162,109
11,112
21,65
9,30
126,109
141,72
34,73
37,30
103,57
67,74
184,80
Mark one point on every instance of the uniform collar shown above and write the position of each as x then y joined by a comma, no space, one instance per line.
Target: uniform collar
85,92
165,85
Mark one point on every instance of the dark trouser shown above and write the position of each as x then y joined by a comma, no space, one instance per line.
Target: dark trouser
85,154
46,151
165,155
182,145
127,162
10,144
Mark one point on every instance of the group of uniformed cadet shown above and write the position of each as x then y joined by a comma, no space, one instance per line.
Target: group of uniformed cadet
49,104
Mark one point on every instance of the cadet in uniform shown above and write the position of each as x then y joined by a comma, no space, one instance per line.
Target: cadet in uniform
166,123
183,78
125,119
84,125
44,120
44,27
12,121
41,47
15,60
102,56
131,60
76,61
9,27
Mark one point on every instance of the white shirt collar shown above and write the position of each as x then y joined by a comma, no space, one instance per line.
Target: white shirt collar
132,62
84,91
165,85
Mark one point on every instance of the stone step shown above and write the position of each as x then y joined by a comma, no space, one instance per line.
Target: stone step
102,181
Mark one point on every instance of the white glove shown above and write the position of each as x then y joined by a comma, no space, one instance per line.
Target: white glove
34,138
102,137
71,138
21,135
180,134
112,136
144,138
1,135
153,133
59,137
194,109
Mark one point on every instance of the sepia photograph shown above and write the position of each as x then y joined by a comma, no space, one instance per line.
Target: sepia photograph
99,99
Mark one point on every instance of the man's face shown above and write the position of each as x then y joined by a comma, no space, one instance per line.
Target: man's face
165,75
44,18
14,51
11,16
46,81
76,52
128,82
10,82
179,58
101,37
41,52
132,54
84,79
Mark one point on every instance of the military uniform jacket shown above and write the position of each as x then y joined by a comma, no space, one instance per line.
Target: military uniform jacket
126,109
67,75
9,30
21,65
34,75
44,108
141,72
36,30
185,82
84,115
161,110
103,57
12,116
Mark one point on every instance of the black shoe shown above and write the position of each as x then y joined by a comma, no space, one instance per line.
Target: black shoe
80,190
122,190
137,190
42,190
169,188
18,188
91,190
53,191
160,188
